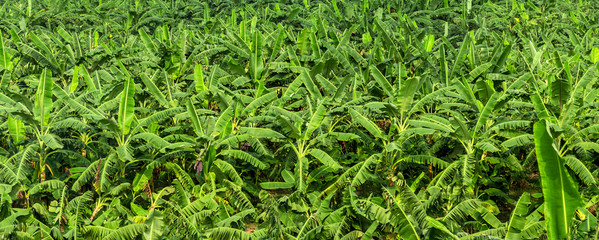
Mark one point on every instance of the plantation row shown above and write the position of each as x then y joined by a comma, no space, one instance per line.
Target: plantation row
320,119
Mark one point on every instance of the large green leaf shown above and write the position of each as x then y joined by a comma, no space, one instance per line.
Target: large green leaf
399,219
126,107
149,44
198,77
594,56
43,98
485,113
153,89
51,141
560,91
223,120
560,194
155,224
326,84
502,58
310,85
75,80
91,84
440,226
518,219
540,108
261,132
152,139
277,185
49,55
382,81
467,94
382,28
4,55
129,231
325,159
366,123
588,77
478,71
406,94
256,61
264,99
241,155
16,129
5,79
195,119
461,55
315,121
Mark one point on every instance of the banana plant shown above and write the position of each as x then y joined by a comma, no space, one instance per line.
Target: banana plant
304,132
42,120
565,98
522,224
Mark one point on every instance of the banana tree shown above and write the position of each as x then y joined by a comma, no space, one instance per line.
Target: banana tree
302,135
570,99
37,119
557,136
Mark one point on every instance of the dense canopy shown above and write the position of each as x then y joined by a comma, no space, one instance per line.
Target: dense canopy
313,119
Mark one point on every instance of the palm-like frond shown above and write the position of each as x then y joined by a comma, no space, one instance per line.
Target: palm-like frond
247,157
229,233
127,232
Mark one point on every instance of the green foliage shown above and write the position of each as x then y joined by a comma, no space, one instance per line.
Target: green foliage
298,119
562,198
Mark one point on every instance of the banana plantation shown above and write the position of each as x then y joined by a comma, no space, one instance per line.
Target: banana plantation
312,119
